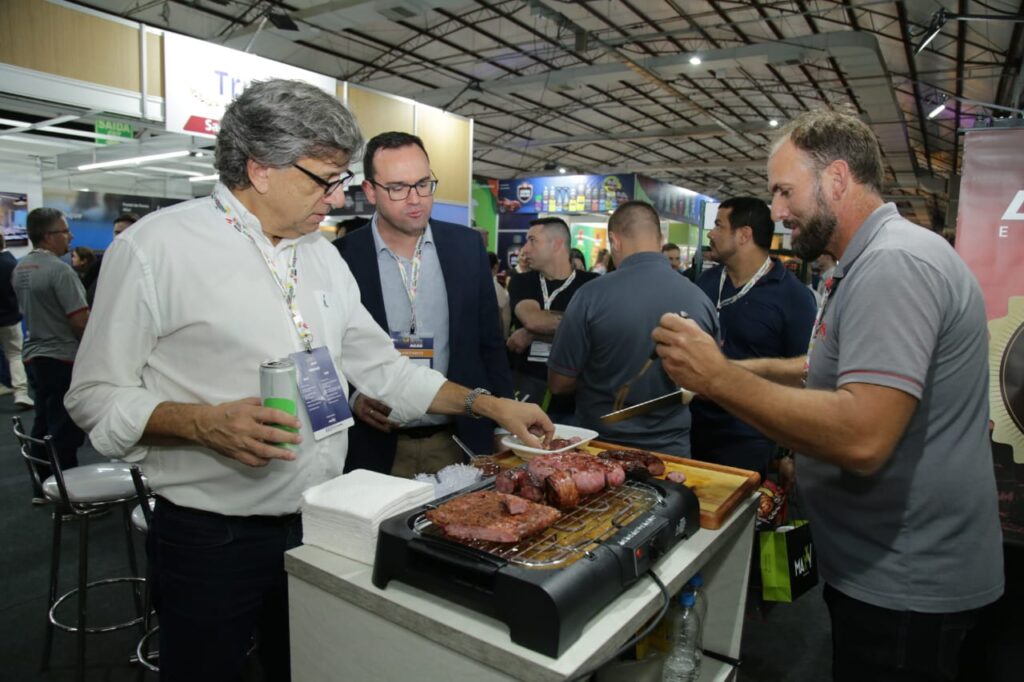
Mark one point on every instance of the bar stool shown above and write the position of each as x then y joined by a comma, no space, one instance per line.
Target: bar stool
84,492
142,517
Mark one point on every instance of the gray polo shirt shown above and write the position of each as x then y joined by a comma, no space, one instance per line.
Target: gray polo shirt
923,533
431,302
49,292
604,339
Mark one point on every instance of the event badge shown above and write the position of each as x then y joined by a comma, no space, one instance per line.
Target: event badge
417,347
322,392
539,351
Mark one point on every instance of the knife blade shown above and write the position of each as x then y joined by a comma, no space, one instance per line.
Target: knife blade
679,397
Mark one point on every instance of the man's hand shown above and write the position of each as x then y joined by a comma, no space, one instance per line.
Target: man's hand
519,341
244,430
525,420
374,413
690,356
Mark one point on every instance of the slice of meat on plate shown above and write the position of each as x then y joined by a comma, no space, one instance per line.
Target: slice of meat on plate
485,515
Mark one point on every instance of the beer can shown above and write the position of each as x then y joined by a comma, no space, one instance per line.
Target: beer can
279,389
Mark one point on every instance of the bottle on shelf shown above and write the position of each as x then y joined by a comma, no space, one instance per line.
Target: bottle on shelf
683,662
696,585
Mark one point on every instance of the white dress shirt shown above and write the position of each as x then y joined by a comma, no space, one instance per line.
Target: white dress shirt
189,309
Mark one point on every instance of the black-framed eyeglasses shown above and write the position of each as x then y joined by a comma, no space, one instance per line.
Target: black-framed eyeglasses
399,191
59,232
329,186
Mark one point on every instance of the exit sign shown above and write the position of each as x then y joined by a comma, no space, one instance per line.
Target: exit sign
116,128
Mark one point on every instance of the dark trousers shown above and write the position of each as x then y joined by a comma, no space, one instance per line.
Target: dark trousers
52,378
218,582
881,645
754,454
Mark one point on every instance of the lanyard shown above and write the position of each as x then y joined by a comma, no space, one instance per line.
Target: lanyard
410,281
549,298
288,287
761,272
830,287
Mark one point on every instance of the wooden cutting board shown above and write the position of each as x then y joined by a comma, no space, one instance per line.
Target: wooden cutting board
719,488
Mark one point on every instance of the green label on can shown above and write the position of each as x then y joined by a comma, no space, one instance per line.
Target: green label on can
285,405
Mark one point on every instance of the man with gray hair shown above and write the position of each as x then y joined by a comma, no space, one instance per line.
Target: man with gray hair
200,295
52,299
888,411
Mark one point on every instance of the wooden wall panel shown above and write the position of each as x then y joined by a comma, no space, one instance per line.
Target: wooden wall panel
379,113
155,64
447,139
44,37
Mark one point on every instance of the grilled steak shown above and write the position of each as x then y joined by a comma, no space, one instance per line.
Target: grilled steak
561,489
485,515
633,459
590,474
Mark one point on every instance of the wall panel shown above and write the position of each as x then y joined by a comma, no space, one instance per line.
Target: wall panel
378,113
43,37
447,139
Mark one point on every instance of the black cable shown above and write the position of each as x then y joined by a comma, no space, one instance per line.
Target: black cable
667,598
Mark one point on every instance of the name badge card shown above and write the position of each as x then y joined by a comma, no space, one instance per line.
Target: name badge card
539,351
418,348
322,392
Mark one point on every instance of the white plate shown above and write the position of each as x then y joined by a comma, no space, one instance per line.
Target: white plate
561,431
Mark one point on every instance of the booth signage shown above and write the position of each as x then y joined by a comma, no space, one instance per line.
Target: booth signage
671,201
990,239
565,194
201,79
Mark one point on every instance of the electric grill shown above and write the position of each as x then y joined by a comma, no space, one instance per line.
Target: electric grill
548,586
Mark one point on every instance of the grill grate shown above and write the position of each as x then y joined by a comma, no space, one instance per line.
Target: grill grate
574,536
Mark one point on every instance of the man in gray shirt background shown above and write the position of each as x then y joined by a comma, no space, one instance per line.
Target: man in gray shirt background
894,465
603,341
52,300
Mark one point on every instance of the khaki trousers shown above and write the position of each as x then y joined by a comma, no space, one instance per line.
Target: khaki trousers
425,455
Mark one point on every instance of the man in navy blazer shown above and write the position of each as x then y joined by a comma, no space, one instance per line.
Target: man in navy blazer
427,283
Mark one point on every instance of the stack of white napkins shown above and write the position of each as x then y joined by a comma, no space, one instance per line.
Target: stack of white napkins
343,514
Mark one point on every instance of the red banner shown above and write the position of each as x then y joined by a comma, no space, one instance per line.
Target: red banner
990,238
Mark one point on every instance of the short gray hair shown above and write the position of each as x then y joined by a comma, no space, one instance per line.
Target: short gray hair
827,135
277,122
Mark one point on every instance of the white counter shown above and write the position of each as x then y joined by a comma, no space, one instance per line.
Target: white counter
343,628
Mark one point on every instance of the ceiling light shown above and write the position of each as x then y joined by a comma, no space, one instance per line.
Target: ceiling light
84,189
937,110
133,161
773,123
934,28
205,178
695,60
173,171
562,170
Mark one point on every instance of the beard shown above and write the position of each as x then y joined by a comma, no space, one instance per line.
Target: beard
816,231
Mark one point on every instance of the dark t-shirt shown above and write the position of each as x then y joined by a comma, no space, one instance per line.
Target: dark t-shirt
773,320
9,313
525,287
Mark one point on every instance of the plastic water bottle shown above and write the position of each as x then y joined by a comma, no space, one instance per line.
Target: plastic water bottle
696,585
683,663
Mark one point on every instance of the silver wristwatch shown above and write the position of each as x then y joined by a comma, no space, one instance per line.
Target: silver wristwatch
471,399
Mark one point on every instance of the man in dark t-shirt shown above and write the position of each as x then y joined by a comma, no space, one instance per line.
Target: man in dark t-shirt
538,298
764,312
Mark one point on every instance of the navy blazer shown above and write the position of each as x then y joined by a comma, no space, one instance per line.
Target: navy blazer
476,349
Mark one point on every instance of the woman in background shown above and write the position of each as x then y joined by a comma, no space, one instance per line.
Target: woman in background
579,262
83,260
